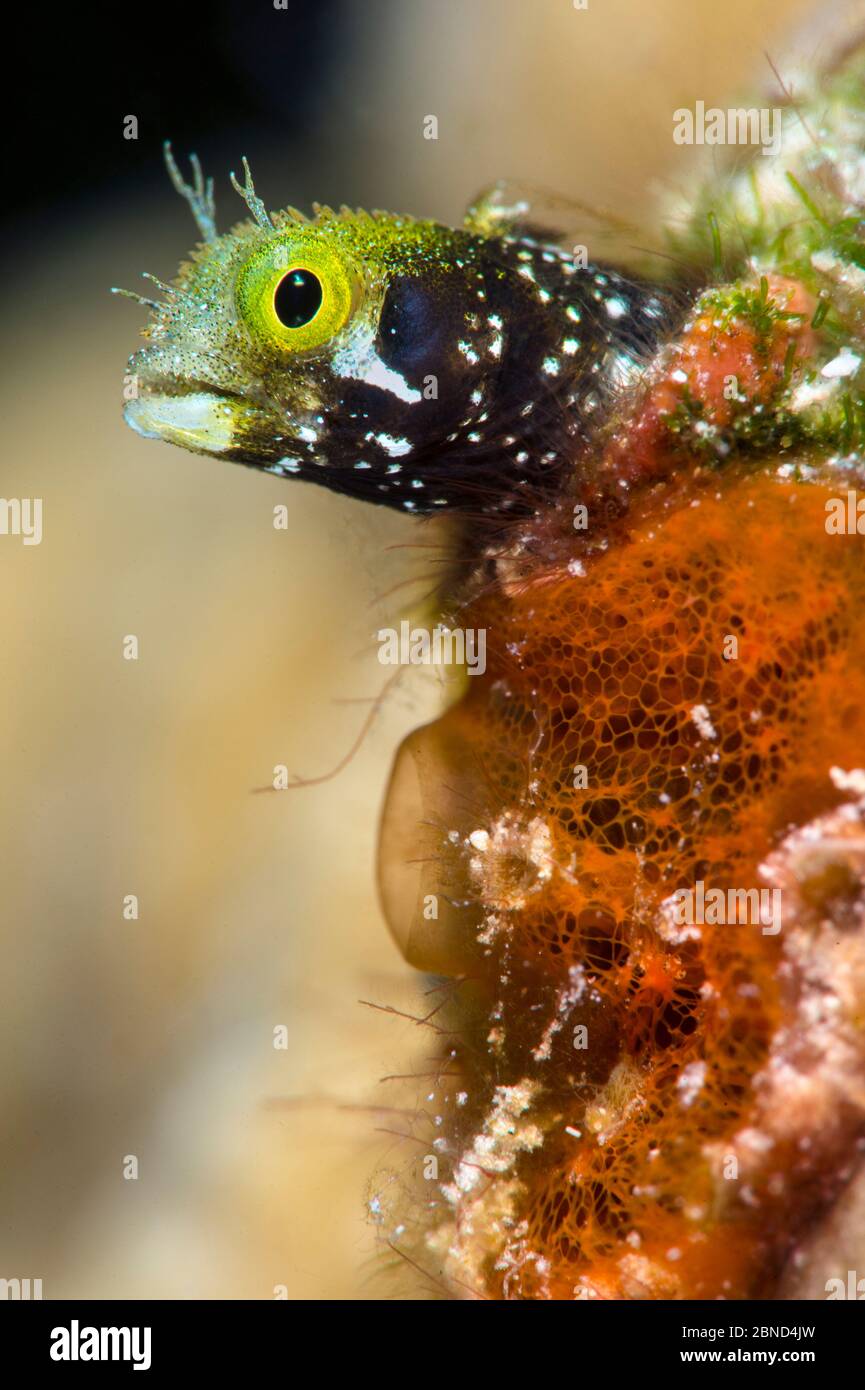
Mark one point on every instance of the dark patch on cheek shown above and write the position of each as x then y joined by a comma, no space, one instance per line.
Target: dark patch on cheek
412,329
423,319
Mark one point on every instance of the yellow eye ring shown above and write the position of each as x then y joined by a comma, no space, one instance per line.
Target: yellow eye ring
295,294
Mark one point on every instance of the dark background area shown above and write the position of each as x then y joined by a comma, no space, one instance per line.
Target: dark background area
211,75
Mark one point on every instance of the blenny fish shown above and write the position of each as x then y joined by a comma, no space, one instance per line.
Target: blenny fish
395,360
636,845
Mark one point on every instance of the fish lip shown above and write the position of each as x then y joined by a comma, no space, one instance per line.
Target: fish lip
206,420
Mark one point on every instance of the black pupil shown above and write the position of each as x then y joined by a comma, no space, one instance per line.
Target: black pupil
297,298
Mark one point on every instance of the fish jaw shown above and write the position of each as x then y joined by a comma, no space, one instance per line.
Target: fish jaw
199,420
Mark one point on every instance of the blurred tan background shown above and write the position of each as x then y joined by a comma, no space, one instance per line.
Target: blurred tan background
154,1037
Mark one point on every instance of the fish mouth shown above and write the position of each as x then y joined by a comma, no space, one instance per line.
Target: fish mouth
201,418
205,417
